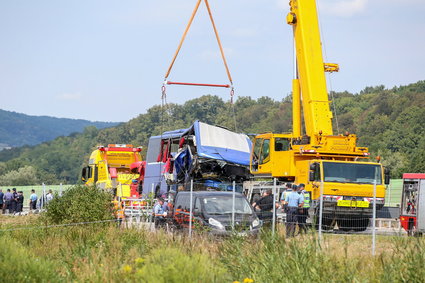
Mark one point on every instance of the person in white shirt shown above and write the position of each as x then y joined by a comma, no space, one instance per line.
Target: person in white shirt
49,196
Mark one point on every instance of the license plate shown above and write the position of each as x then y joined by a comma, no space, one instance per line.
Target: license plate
353,203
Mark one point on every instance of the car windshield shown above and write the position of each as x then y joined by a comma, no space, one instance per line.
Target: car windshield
352,173
219,205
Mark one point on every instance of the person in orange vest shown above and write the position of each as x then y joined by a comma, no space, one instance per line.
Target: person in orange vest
118,209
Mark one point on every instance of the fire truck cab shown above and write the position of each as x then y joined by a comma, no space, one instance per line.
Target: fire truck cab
412,214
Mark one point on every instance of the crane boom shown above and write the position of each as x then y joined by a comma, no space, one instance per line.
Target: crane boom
310,67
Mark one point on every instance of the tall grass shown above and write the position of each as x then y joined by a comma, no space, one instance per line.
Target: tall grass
99,253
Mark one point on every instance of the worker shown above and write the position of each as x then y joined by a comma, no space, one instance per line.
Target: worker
264,206
118,210
265,203
294,201
284,194
303,212
159,213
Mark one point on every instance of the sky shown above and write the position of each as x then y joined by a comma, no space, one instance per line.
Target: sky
105,60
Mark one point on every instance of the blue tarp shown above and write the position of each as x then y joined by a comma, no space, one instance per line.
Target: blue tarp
222,144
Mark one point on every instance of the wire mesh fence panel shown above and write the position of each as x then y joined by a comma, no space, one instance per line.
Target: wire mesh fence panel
219,208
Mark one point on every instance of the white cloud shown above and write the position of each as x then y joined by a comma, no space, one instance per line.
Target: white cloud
69,96
342,8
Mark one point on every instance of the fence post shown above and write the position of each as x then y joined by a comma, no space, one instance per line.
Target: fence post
233,205
374,214
190,208
60,191
321,211
274,207
43,197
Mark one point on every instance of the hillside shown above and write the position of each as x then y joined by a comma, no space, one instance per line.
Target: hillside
389,121
18,129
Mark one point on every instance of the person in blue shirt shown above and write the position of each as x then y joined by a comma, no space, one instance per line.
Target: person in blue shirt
287,191
294,201
33,200
8,196
159,213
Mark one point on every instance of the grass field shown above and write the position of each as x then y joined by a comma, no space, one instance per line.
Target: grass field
393,194
107,253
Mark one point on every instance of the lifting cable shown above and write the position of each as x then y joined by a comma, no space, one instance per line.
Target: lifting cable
166,82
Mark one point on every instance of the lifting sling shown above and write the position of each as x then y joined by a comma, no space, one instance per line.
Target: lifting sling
166,82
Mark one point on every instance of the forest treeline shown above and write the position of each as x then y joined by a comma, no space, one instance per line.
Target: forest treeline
391,122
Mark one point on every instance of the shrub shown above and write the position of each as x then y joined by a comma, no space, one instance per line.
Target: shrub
80,204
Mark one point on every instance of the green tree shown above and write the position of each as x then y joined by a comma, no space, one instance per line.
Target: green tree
23,176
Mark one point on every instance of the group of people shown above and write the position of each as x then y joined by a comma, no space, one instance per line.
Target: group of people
295,202
12,201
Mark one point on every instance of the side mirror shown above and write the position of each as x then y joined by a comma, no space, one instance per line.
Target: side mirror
311,176
312,172
84,174
387,174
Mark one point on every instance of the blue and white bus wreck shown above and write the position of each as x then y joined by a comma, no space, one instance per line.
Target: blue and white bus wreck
211,156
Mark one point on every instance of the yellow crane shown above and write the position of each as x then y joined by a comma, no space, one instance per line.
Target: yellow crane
324,162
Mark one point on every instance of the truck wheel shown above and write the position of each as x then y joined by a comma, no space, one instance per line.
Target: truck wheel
327,222
361,224
344,225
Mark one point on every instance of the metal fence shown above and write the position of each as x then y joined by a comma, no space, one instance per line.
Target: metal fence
225,218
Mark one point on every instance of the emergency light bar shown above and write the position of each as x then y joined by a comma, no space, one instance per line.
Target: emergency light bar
120,145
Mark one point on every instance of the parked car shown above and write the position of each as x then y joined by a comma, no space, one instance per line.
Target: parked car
212,211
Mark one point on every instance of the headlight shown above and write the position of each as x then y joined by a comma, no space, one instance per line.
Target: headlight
215,223
255,223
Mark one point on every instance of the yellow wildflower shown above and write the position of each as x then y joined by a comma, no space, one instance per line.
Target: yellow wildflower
248,280
139,260
127,268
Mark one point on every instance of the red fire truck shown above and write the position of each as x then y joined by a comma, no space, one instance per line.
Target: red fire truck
412,214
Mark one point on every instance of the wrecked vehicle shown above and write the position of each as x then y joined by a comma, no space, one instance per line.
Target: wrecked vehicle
209,155
212,211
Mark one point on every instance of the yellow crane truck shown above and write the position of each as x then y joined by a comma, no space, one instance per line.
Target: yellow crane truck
323,161
114,168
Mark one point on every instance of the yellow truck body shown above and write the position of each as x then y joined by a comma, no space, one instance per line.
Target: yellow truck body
109,168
